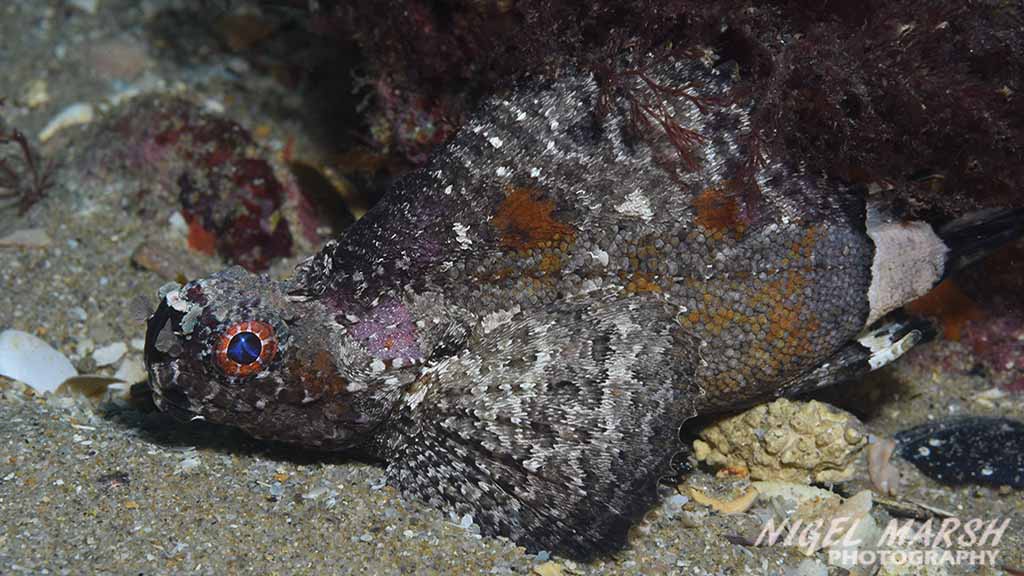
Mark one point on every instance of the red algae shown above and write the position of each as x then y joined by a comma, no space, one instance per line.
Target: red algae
924,96
229,193
948,304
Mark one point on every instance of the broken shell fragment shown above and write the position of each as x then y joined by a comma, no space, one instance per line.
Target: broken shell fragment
739,504
73,115
26,358
885,478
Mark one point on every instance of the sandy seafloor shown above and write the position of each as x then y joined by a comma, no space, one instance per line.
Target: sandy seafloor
125,490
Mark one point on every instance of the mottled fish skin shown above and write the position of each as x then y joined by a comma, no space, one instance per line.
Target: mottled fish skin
521,327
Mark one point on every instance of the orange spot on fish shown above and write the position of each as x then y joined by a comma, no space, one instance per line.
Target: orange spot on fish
641,283
719,211
318,375
524,219
715,210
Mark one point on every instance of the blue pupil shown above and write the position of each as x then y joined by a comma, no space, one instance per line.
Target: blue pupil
245,347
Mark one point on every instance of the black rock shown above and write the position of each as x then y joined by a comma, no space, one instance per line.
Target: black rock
967,450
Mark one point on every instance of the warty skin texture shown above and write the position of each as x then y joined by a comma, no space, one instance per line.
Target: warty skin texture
520,328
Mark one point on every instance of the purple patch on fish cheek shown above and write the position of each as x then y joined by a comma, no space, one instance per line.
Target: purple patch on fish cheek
430,249
388,332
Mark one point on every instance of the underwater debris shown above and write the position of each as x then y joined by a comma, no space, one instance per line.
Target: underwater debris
76,114
796,509
25,178
230,193
885,478
966,450
735,505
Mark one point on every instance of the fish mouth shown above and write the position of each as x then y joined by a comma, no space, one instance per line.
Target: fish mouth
158,350
161,350
175,408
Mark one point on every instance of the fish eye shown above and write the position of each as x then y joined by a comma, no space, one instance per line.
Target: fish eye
245,348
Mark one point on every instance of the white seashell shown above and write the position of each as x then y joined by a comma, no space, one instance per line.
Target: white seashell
73,115
32,361
28,238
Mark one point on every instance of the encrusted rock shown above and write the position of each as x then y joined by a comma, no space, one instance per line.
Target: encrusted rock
205,175
799,442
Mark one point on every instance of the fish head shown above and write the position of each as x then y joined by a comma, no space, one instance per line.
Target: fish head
239,349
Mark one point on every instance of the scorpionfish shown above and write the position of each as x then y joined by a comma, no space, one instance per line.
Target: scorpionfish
519,328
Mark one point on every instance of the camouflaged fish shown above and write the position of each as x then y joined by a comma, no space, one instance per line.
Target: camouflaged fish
520,328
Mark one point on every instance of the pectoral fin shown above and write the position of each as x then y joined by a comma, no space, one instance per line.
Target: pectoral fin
552,429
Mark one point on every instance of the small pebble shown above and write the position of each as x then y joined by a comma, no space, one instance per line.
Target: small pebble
178,224
87,6
548,568
131,371
674,505
315,493
188,464
119,59
109,354
808,568
37,94
84,347
28,238
213,106
276,491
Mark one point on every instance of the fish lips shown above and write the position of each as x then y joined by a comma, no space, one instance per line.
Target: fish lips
162,348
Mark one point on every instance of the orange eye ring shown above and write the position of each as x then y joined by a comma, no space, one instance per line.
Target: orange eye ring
245,348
